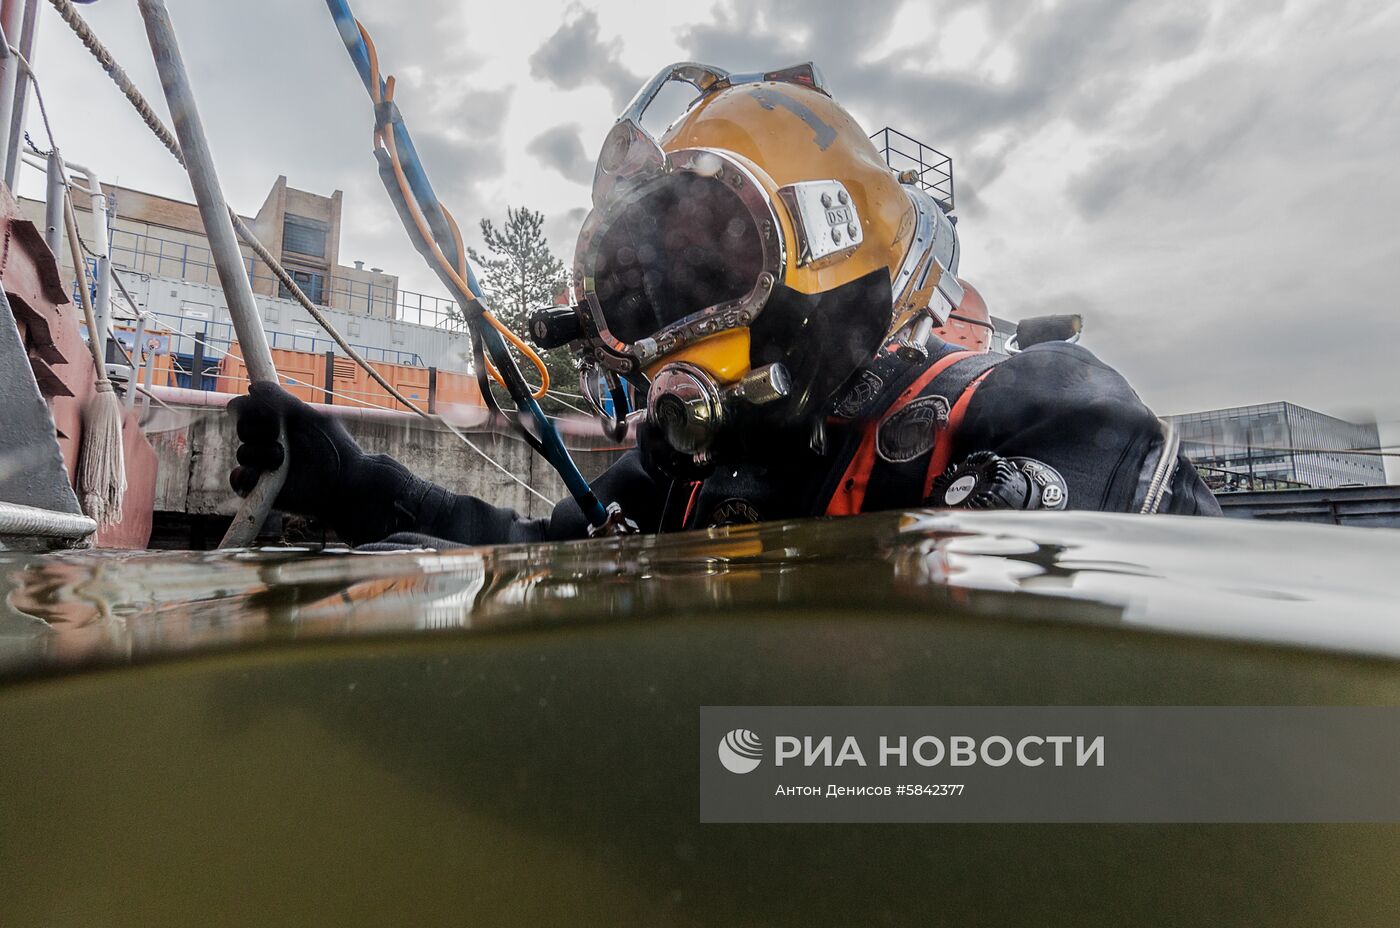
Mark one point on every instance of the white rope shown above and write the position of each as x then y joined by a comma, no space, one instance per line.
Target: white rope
556,399
38,94
492,461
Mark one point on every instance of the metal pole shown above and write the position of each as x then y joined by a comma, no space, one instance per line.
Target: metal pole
138,354
197,361
213,210
101,242
223,246
28,29
150,376
53,207
326,395
9,70
104,293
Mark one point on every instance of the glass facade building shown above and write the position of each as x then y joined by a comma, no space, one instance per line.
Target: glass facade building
1279,446
1002,330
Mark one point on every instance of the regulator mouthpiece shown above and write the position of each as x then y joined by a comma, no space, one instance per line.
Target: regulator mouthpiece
684,404
690,409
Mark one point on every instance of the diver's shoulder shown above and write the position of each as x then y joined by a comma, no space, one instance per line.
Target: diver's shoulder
1059,381
1056,353
1049,363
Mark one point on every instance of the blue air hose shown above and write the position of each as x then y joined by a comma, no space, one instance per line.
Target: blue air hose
547,440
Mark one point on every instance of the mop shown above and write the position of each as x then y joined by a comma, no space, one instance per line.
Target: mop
101,470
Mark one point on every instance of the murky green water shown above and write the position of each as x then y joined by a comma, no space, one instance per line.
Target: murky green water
510,735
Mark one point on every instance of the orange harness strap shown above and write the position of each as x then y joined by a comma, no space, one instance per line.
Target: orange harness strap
943,443
850,492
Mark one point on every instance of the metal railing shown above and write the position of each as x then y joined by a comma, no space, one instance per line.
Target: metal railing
148,254
222,335
1225,480
933,169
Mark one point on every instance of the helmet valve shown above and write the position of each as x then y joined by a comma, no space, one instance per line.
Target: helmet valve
554,326
762,385
913,344
684,403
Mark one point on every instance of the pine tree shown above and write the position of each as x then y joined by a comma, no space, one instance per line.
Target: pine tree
522,275
522,272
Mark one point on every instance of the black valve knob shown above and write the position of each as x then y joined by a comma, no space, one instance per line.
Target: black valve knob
554,326
984,480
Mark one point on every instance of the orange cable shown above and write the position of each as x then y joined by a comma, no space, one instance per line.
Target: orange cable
456,275
462,267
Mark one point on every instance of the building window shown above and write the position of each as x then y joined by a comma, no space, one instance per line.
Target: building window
310,282
304,236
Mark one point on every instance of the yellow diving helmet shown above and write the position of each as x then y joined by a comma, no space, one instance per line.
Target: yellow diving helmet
753,258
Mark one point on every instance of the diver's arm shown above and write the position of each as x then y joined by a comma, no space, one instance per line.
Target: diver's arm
367,498
464,519
1060,405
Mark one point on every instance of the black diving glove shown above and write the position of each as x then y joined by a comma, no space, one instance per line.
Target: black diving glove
364,497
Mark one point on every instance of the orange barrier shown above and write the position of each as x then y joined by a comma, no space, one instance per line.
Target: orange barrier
304,375
457,389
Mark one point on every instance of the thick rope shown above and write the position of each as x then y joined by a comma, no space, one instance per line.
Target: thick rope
114,71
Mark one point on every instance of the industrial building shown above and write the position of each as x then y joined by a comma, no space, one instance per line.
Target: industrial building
1276,446
164,237
160,252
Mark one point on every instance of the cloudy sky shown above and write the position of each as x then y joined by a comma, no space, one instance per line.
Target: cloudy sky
1212,184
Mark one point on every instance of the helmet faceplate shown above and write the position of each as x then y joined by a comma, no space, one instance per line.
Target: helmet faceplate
764,186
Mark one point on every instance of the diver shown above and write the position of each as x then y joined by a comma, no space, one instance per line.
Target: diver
775,291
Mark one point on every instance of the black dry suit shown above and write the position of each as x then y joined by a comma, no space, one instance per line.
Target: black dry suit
1051,427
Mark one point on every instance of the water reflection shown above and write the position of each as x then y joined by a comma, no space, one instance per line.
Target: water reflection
1311,585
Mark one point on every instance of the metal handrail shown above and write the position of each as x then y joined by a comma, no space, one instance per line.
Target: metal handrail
932,167
217,332
143,253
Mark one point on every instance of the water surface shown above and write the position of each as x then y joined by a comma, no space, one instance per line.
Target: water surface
1314,586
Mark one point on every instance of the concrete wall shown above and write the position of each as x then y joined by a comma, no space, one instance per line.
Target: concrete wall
196,451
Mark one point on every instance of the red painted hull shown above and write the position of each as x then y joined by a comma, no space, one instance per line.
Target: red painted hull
48,326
